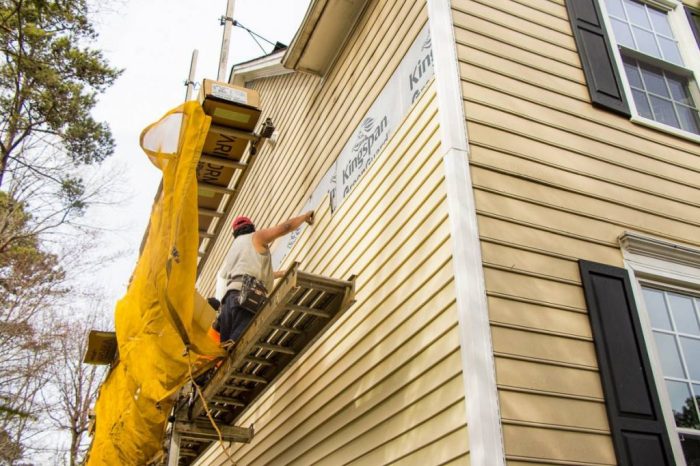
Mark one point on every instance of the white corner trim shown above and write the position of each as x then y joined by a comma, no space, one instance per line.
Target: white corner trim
478,367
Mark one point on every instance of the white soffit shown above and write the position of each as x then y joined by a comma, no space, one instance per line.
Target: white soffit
323,32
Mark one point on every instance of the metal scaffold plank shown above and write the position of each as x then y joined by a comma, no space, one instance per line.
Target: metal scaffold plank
300,308
248,340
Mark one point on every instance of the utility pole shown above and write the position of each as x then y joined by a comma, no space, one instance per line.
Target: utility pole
227,23
190,79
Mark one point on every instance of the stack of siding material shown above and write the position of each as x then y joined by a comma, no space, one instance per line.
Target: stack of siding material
235,113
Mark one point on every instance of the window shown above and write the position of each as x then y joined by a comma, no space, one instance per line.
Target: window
641,59
662,84
668,295
661,95
675,323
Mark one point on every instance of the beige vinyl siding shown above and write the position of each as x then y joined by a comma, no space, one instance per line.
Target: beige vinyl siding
555,180
328,110
384,384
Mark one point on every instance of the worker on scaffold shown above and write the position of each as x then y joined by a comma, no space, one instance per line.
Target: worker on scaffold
246,276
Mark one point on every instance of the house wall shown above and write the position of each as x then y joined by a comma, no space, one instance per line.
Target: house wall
555,180
384,384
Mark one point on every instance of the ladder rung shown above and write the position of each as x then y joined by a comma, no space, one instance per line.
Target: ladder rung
240,388
261,361
199,434
210,212
282,328
315,286
309,310
206,234
248,378
237,133
214,160
271,347
227,401
216,188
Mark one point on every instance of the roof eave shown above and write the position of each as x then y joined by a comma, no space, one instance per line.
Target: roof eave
322,34
263,67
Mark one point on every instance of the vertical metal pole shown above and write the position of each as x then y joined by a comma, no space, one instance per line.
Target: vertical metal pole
190,79
174,453
225,41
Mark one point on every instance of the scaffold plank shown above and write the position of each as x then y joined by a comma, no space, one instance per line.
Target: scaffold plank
300,309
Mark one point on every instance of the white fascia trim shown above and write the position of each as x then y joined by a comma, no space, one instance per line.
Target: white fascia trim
478,366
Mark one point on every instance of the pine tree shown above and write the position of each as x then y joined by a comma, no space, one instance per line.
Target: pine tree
49,82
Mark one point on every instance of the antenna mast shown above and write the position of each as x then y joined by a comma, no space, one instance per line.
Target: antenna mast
190,80
227,23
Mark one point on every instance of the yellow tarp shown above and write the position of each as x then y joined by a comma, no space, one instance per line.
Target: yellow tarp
157,316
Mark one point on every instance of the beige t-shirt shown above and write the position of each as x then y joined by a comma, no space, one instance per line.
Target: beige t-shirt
243,259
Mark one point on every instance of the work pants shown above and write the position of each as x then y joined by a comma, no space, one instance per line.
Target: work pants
233,319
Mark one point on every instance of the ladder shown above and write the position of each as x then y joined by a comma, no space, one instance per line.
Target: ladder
224,163
300,309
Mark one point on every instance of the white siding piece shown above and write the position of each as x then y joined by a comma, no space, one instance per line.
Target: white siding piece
478,367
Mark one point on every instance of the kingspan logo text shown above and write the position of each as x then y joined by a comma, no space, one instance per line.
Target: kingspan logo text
366,147
422,67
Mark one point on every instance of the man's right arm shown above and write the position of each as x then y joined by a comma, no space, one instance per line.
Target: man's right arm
263,238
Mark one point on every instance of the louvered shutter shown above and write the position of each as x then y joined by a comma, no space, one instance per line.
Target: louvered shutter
632,402
594,48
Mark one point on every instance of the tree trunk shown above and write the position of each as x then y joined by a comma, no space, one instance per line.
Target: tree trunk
9,141
74,445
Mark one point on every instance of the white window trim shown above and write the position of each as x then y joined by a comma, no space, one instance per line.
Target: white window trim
689,52
650,259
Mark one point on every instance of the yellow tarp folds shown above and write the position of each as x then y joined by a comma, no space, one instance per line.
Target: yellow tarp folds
157,316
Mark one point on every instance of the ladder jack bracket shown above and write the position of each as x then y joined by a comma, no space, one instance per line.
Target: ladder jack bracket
266,131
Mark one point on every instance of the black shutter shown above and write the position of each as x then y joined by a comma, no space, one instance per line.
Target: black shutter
632,402
597,58
692,15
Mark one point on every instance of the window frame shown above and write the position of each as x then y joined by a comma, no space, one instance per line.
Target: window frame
670,266
689,50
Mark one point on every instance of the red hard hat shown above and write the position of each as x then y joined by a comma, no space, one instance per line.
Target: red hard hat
241,221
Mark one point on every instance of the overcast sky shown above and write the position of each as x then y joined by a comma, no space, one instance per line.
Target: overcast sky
153,41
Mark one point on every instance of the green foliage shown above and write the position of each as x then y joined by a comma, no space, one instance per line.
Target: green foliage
49,80
688,416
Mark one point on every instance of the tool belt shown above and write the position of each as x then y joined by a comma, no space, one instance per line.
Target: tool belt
253,293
